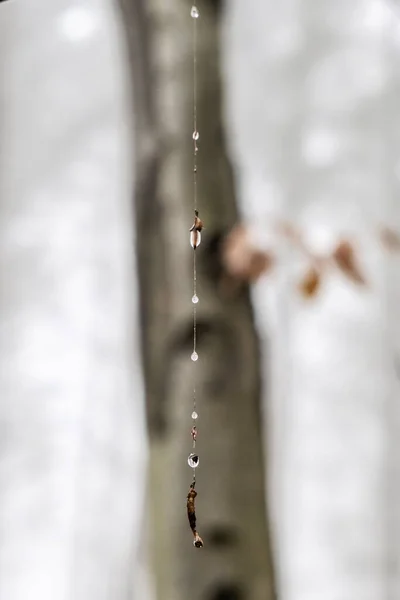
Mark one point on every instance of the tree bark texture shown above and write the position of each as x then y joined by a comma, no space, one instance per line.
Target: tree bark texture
236,561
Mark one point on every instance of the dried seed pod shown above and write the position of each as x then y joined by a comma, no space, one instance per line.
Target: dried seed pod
198,223
344,257
191,512
195,231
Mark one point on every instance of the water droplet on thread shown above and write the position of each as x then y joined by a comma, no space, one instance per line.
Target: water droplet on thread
194,13
194,356
195,135
193,460
195,299
195,239
194,415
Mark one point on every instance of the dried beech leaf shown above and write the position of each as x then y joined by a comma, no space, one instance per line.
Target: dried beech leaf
344,257
311,283
241,259
260,262
390,239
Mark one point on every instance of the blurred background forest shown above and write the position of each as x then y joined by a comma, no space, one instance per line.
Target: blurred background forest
299,286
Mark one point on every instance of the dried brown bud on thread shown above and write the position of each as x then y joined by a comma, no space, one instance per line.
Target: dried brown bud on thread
195,231
198,223
191,512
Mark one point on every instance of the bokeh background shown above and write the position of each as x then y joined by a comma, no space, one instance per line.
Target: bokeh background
299,286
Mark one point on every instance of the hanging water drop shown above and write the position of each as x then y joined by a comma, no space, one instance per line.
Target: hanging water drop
193,460
195,299
194,13
195,135
195,239
194,356
194,415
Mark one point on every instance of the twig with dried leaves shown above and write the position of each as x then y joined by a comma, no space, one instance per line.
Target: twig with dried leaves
245,263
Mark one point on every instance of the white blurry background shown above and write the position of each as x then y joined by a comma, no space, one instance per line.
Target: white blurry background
311,97
72,441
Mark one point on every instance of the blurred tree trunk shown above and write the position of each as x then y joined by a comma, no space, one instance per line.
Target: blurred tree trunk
236,561
72,421
315,140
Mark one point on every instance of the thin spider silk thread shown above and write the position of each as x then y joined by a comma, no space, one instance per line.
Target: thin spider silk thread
195,238
194,14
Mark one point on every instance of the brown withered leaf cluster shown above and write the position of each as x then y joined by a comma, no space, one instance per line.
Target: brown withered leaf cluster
241,259
311,283
345,259
245,263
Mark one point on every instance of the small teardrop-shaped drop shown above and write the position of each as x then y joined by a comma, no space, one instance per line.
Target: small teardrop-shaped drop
195,299
196,135
193,460
194,356
195,239
194,13
194,415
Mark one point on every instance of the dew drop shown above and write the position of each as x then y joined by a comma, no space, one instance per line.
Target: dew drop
194,356
195,299
194,13
195,239
193,460
194,415
195,135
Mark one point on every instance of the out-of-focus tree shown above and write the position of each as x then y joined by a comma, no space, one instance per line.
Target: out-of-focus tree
73,444
236,561
311,96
